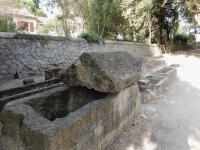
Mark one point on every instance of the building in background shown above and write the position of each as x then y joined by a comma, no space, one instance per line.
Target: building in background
25,21
28,23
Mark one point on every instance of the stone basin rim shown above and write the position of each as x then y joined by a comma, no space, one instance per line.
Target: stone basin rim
31,118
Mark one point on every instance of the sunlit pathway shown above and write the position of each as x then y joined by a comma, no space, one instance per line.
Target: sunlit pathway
172,120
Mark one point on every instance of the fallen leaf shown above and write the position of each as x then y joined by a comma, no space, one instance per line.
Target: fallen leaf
143,116
133,123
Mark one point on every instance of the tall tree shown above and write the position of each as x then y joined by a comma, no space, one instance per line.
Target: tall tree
33,7
64,6
101,13
140,15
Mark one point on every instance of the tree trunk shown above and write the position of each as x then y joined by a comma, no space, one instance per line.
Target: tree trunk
104,25
65,16
160,35
98,24
168,31
150,25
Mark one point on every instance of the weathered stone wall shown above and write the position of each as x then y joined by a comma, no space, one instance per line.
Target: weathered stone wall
33,53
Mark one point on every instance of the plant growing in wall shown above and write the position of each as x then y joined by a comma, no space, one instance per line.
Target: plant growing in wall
7,24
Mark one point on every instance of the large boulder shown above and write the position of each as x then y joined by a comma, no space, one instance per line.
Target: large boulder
108,72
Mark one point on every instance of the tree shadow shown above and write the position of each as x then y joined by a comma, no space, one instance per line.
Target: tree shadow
169,121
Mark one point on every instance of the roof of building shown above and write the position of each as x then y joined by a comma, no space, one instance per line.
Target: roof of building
16,12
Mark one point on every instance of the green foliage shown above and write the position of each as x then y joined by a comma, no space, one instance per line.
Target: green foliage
155,21
181,42
92,37
181,38
33,7
105,17
7,24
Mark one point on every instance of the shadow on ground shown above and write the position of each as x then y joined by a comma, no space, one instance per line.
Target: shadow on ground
170,121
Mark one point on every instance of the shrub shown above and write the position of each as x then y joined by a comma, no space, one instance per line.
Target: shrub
91,37
7,24
181,38
182,42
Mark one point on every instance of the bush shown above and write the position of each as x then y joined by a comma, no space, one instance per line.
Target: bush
7,24
181,38
91,37
182,42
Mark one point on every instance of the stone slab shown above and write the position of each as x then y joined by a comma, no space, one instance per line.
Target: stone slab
108,72
8,34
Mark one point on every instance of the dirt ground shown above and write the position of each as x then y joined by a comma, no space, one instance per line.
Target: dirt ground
171,121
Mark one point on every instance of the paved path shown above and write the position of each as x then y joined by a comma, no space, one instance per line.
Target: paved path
172,120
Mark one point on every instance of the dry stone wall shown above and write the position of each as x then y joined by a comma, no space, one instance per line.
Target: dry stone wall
36,54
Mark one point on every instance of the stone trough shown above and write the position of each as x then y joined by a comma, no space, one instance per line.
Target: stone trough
52,121
96,103
154,84
27,90
169,72
151,86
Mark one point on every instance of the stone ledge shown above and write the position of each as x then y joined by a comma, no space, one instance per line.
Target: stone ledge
8,34
61,38
38,37
129,43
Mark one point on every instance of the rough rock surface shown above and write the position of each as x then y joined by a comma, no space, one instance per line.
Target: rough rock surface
108,72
